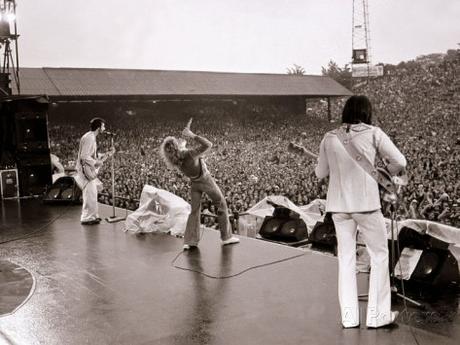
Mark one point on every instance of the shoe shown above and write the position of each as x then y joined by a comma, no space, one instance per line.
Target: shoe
394,316
91,222
189,246
231,240
350,326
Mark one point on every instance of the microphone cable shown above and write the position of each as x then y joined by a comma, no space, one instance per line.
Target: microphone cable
232,275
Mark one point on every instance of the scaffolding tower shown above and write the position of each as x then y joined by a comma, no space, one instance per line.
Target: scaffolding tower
361,42
9,65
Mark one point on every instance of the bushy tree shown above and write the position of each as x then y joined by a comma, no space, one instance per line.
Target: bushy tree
340,75
296,70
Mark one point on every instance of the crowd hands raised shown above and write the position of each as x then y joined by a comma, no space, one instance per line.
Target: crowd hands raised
418,108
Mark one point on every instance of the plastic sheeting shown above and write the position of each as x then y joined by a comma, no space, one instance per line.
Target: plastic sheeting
439,231
159,211
250,222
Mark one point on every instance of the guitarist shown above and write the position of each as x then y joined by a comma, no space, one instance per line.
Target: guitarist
353,199
87,166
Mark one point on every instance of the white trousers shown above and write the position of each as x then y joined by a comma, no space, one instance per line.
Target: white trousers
372,227
89,210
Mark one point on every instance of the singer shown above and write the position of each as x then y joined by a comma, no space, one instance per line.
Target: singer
353,199
87,166
190,162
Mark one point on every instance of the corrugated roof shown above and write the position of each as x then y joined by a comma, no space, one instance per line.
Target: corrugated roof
123,82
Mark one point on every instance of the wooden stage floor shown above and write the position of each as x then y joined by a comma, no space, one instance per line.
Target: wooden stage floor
100,285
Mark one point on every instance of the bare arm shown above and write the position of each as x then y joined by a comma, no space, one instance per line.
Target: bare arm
204,144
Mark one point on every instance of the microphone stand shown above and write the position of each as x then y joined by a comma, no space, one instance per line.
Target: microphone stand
113,218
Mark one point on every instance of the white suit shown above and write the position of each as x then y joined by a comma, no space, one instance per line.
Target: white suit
353,198
87,154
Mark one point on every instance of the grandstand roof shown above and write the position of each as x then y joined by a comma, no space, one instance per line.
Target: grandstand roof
86,82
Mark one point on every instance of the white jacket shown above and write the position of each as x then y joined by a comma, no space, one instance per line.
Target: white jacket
351,189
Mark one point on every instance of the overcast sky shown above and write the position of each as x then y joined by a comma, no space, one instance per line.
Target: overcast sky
226,35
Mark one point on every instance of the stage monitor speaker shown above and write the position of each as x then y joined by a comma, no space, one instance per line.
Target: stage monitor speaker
34,170
64,190
283,229
323,233
437,267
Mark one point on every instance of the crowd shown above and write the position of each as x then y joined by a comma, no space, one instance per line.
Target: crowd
418,108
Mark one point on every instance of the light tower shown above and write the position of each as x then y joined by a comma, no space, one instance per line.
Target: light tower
361,41
9,66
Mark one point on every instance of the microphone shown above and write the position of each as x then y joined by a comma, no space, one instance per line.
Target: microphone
109,133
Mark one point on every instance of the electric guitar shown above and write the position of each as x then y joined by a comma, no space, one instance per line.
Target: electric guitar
391,185
91,171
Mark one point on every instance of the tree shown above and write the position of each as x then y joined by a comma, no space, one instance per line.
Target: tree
340,75
296,70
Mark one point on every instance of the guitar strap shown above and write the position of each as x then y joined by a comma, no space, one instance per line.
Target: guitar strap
379,176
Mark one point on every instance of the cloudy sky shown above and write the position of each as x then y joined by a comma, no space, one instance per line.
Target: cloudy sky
226,35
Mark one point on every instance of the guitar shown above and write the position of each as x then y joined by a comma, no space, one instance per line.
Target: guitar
91,171
390,186
301,150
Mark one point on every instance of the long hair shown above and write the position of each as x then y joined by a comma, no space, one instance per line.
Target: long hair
357,109
171,153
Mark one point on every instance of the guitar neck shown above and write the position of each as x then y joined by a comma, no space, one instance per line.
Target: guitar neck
300,150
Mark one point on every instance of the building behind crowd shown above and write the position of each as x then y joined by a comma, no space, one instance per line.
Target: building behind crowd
137,92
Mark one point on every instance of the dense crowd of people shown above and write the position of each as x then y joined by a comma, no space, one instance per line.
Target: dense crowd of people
418,107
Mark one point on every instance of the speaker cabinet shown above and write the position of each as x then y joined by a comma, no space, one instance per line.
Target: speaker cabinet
64,190
27,120
283,229
31,122
31,131
34,170
9,184
323,233
437,268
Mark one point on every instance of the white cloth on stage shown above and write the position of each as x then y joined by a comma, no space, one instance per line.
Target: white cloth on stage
159,211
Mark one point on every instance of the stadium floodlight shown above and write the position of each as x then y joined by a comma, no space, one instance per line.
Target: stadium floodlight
9,65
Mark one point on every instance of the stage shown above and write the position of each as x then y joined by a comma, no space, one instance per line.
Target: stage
64,283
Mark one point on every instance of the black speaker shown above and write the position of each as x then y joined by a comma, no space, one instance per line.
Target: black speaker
31,122
437,267
323,233
283,229
27,118
7,138
34,170
64,190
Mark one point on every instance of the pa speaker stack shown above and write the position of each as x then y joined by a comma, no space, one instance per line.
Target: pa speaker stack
284,226
27,141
